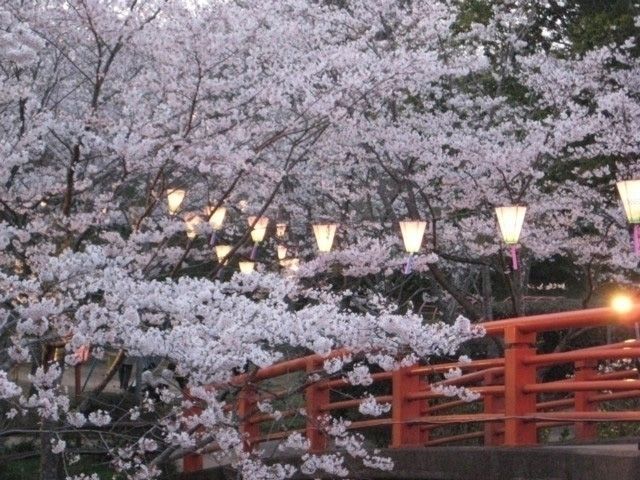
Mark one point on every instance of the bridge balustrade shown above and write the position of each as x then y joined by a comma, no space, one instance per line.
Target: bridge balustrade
514,404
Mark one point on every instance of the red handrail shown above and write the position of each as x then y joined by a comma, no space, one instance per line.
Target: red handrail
511,412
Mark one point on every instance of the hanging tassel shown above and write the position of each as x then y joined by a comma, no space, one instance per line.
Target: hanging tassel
254,251
407,265
636,238
212,242
514,257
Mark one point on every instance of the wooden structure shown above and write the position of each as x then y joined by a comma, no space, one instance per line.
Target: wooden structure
513,404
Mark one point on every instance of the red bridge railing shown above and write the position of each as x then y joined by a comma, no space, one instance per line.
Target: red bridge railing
513,404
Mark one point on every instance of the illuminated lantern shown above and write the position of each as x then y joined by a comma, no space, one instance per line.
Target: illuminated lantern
510,221
412,233
192,223
324,233
216,217
261,222
259,229
281,230
630,195
246,266
222,251
282,252
258,232
174,199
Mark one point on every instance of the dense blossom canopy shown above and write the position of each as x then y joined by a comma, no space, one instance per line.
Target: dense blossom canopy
360,112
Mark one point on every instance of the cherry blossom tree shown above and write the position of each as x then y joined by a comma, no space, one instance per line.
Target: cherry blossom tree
361,112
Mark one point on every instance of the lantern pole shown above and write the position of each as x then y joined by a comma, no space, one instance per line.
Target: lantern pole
514,256
408,265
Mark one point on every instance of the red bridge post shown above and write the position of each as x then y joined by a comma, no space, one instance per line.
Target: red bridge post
404,409
247,401
584,371
192,462
316,396
493,432
518,403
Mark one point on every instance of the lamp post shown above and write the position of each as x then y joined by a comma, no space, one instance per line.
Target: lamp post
175,196
412,233
629,191
258,232
510,221
216,219
325,233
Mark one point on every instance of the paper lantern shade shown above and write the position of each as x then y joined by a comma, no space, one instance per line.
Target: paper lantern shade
216,217
412,233
325,232
222,251
258,234
246,266
510,221
259,229
174,199
629,191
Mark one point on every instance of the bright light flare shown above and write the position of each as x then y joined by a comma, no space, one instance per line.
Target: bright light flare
622,304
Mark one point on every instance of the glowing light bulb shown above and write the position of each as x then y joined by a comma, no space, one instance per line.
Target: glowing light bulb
622,303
